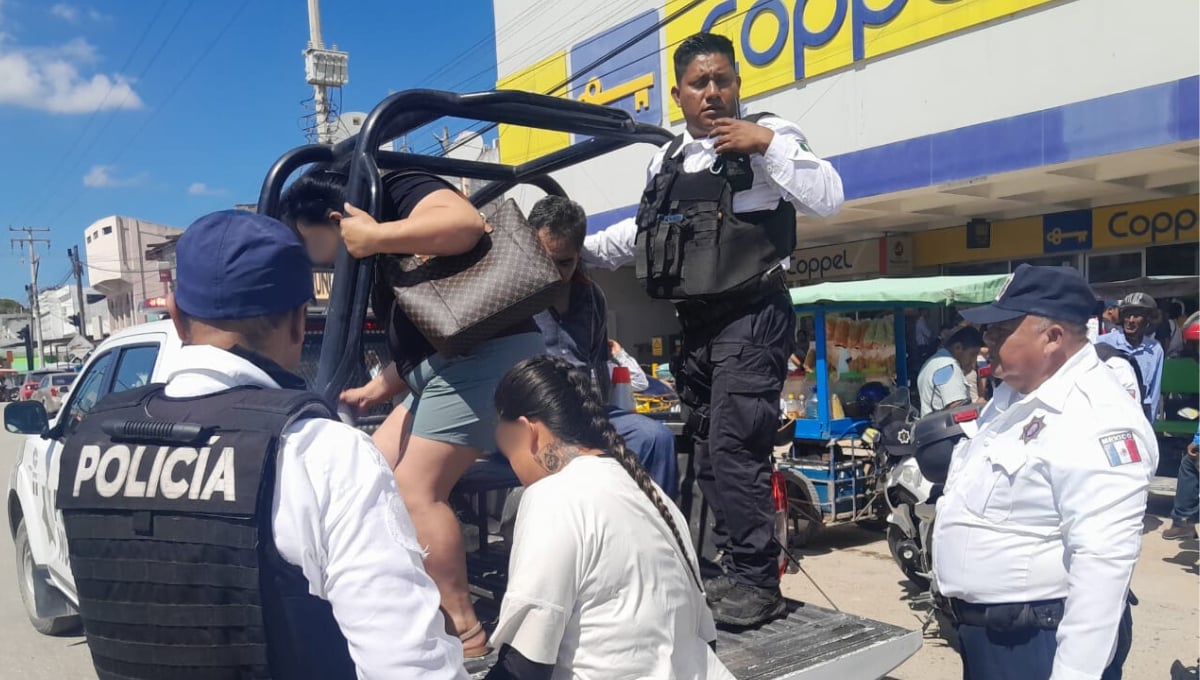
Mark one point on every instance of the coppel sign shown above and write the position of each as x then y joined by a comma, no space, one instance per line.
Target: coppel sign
1153,222
832,262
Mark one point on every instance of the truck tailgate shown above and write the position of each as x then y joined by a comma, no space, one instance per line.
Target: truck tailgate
811,643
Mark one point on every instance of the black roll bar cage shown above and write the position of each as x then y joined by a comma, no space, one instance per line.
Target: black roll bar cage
606,129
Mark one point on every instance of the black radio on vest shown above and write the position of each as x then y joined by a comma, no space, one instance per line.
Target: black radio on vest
690,243
168,524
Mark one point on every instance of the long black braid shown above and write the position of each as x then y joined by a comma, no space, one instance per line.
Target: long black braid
565,399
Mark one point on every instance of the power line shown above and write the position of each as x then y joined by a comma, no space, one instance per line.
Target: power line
95,113
178,85
113,114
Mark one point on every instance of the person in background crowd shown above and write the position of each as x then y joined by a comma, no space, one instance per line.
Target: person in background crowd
576,329
942,382
750,176
796,361
923,332
1170,329
617,356
444,421
1111,319
1137,312
1186,512
603,582
300,561
1035,549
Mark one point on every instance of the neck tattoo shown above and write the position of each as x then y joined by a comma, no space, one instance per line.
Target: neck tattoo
556,456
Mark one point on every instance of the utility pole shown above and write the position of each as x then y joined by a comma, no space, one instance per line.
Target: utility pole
35,325
323,69
77,269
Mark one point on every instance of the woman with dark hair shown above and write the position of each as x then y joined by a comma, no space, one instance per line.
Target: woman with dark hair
602,581
445,420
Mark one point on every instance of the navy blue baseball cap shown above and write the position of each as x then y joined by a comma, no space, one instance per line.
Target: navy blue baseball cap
1059,293
235,264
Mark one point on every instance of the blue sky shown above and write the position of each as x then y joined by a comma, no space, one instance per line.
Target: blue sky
183,125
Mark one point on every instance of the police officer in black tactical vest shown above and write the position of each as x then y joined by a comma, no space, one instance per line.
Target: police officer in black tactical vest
713,233
223,525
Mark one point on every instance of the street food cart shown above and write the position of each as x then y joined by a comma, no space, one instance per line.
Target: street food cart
832,476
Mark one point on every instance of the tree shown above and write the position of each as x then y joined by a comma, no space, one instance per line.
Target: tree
10,306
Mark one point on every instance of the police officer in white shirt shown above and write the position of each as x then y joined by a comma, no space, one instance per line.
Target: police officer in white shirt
1041,522
298,558
745,179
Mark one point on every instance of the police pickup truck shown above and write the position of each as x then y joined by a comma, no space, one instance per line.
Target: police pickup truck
809,643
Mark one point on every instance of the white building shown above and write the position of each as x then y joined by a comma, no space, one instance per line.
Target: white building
117,267
1064,131
58,305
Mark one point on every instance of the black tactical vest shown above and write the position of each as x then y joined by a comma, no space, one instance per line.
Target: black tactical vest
690,243
167,504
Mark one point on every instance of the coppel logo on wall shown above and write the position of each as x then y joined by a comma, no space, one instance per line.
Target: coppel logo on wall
780,42
629,81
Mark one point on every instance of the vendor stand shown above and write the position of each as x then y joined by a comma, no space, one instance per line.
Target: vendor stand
832,476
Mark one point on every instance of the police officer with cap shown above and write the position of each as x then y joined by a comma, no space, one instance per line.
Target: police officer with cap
715,227
224,524
1041,522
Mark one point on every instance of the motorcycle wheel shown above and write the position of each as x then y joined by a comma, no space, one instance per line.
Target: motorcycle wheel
896,536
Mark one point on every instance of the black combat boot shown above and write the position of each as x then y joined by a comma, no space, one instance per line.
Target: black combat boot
717,587
746,606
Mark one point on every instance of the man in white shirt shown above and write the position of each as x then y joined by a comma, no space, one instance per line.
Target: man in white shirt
301,560
1041,522
715,227
942,382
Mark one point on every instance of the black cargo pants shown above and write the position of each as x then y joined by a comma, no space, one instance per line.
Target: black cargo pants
731,373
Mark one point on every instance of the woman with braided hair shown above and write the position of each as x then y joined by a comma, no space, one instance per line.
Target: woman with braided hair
603,582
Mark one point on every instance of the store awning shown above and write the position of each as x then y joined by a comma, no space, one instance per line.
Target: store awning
920,291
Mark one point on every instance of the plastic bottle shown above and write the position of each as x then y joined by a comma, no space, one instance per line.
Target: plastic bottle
794,408
812,405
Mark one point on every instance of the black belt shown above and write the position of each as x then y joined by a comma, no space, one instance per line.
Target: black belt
1009,617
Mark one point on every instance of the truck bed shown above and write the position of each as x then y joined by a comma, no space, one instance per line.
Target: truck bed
810,643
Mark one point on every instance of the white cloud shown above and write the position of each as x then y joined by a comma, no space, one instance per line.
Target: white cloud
104,177
202,189
59,79
65,12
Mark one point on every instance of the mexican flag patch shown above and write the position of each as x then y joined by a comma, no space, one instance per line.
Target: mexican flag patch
1121,449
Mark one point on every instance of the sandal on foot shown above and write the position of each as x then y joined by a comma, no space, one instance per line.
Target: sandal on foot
479,651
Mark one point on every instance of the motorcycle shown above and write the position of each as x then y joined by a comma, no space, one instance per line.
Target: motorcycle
919,450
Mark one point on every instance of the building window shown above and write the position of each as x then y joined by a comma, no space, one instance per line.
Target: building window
1177,259
1114,267
95,234
89,239
107,230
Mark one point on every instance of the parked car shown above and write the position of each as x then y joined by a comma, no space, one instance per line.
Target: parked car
52,389
32,380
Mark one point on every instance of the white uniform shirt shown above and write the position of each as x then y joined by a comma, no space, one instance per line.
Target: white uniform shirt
1125,375
789,170
941,382
337,515
1046,501
597,585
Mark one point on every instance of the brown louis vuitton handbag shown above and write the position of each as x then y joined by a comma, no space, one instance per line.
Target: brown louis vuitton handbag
459,301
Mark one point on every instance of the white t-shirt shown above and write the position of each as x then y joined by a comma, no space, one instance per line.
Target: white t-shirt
941,382
597,585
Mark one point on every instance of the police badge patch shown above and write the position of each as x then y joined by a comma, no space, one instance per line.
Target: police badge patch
1032,429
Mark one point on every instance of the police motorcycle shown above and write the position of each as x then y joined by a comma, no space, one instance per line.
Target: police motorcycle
922,449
